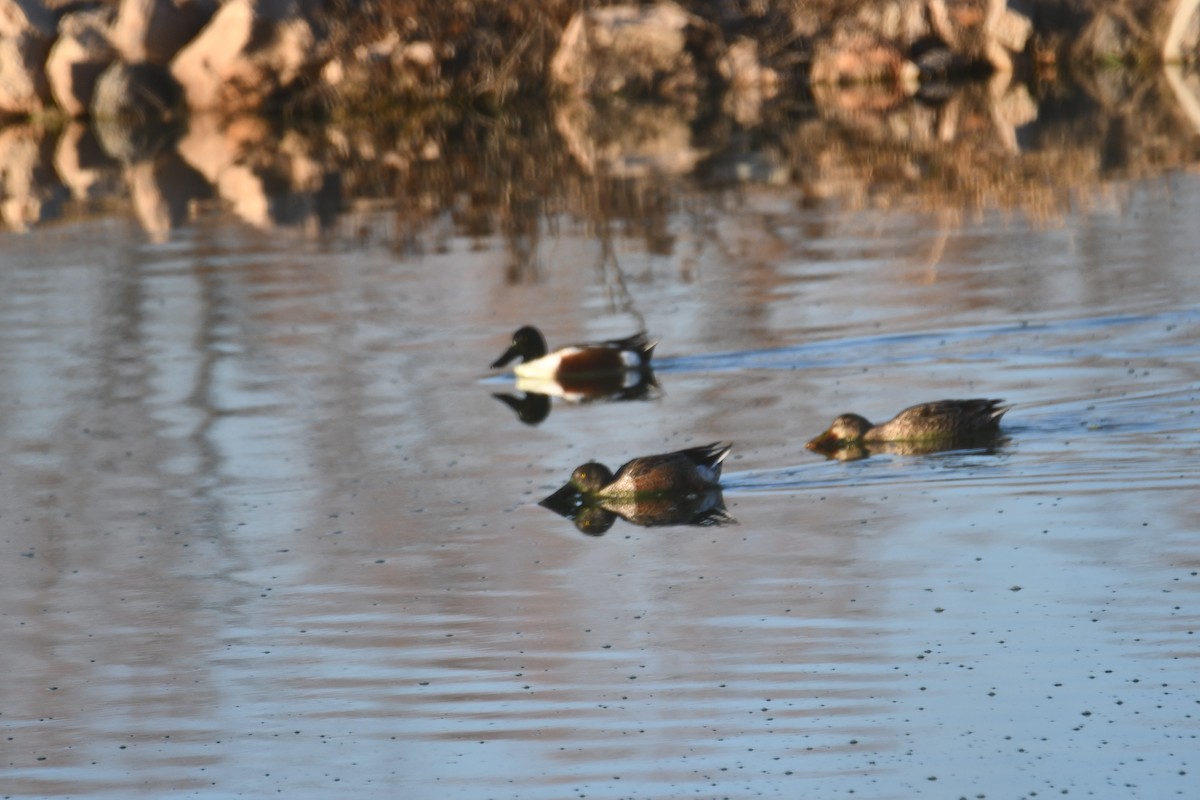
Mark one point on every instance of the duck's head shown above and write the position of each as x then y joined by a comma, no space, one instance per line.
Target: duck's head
527,342
844,430
591,477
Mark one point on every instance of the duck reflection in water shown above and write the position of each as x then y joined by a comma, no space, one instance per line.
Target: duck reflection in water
680,488
918,430
595,516
613,370
532,399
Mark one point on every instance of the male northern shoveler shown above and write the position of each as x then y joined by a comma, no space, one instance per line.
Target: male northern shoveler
683,472
614,355
940,420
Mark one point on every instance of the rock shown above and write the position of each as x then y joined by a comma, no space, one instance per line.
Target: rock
25,18
135,110
26,33
1181,41
250,50
1006,31
135,93
632,50
1106,39
77,59
155,30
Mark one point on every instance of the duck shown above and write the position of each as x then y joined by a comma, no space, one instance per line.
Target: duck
691,471
538,363
940,420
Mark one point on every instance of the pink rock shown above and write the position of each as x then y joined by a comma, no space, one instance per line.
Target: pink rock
155,30
250,50
76,60
26,32
25,18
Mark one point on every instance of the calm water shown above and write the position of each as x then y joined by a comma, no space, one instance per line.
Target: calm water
265,529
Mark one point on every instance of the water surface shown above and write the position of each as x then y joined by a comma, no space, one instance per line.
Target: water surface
265,529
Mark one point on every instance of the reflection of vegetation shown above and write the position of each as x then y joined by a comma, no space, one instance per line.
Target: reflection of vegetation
512,173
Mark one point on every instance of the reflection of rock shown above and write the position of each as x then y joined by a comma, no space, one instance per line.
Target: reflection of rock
29,189
1012,108
83,166
266,179
647,56
133,110
628,140
26,33
875,43
77,59
856,54
1186,88
634,86
248,52
749,82
163,190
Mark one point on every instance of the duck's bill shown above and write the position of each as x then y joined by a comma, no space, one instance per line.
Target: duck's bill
826,441
508,356
563,502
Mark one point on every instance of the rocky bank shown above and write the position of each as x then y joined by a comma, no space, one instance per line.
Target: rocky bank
293,111
153,59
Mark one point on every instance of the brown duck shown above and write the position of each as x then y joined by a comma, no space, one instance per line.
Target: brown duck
942,420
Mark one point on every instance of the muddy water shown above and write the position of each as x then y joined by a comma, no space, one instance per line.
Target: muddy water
264,527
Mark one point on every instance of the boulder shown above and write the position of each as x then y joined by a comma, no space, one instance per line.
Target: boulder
155,30
135,93
26,33
634,50
25,17
135,110
1181,41
77,59
249,51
